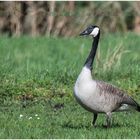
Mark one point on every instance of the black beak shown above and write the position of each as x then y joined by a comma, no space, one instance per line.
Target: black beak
85,32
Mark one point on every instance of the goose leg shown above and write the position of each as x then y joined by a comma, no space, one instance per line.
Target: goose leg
94,118
108,119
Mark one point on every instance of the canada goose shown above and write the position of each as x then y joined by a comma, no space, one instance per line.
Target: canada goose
98,96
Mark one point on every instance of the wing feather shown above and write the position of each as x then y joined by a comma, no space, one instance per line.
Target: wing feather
110,89
123,97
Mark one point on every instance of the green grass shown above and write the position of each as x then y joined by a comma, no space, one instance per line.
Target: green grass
45,69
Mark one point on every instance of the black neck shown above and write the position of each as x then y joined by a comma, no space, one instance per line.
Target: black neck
90,59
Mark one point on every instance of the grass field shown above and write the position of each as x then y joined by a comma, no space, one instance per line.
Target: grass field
37,76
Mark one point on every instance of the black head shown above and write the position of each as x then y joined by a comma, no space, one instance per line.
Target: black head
91,30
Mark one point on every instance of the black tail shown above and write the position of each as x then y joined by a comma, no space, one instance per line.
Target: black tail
138,108
130,101
136,105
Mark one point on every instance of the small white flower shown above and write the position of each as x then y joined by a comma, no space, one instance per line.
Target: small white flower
20,115
30,118
38,118
36,115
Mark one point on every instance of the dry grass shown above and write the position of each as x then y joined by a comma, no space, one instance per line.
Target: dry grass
112,59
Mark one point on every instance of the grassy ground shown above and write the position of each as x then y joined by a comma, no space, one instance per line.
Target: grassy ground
37,77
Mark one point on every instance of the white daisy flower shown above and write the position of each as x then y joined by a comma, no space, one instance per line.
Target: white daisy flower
20,115
36,115
30,118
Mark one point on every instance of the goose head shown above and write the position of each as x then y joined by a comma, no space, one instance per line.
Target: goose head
92,30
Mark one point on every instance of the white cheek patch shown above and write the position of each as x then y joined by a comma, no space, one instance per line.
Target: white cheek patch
95,31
